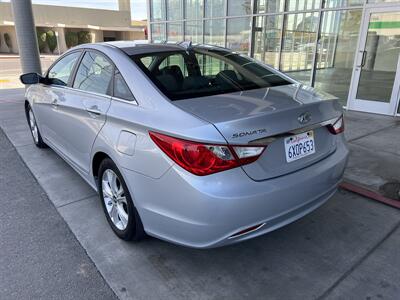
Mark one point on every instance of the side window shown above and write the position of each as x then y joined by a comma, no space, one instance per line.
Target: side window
121,89
94,74
60,73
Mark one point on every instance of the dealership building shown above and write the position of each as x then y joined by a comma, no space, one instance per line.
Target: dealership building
349,48
101,24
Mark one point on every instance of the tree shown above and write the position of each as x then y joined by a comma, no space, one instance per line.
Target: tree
71,39
41,38
51,40
84,37
7,39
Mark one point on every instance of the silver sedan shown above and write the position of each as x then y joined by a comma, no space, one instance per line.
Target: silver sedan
193,144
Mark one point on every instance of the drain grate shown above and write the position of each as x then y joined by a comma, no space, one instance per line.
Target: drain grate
391,190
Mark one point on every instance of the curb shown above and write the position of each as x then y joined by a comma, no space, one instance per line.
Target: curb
357,189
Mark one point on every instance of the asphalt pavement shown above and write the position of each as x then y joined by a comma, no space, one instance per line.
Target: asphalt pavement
40,258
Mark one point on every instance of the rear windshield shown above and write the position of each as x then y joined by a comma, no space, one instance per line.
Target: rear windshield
203,72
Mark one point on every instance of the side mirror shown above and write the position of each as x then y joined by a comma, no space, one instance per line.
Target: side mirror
30,78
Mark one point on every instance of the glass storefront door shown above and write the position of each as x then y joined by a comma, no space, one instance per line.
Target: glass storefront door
376,77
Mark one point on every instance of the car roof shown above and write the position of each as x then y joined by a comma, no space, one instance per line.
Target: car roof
143,46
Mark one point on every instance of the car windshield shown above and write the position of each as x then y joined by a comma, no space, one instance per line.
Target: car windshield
201,72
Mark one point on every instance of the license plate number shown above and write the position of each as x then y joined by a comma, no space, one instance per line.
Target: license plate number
299,146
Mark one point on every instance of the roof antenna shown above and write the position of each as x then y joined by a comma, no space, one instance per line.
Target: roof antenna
186,44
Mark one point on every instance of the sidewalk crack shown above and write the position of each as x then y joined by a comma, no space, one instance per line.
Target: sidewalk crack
358,263
75,201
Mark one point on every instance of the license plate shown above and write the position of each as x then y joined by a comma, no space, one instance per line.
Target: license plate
299,146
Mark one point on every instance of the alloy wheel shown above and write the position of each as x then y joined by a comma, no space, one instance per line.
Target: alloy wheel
114,199
33,127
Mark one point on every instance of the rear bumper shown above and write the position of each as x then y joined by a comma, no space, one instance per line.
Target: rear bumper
204,212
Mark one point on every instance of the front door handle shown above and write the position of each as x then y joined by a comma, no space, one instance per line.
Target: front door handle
54,103
363,59
94,110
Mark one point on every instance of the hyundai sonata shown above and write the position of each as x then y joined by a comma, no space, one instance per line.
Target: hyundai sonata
193,144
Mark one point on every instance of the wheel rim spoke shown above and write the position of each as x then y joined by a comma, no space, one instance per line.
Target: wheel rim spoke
33,126
107,189
114,199
114,214
123,216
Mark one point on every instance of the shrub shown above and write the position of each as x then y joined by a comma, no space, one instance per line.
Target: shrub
51,40
7,39
84,37
71,39
41,38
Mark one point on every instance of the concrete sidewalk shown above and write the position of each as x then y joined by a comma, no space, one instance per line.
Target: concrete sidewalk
346,249
375,152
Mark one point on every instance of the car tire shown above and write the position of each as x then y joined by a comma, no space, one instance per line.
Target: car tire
34,128
117,203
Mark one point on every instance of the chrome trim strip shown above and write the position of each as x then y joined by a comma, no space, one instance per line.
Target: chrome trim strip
133,102
54,86
270,139
247,232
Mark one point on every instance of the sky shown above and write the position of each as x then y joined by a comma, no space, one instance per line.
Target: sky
138,7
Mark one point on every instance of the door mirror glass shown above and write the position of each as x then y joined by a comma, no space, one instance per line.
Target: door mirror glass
30,78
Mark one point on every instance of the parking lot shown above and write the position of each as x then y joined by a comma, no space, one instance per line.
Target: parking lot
347,249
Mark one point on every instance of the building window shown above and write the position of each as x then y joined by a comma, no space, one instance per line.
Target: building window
174,10
239,7
215,8
214,32
335,54
194,9
342,3
238,34
268,6
174,32
299,37
158,32
293,5
194,31
267,39
157,10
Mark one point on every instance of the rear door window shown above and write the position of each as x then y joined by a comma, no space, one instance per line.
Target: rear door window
121,89
94,74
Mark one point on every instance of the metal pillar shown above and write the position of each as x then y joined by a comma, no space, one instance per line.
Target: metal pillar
26,36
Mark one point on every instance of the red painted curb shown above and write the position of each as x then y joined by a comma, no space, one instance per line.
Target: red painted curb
369,194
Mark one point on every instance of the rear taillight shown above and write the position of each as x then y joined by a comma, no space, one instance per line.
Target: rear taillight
204,159
337,127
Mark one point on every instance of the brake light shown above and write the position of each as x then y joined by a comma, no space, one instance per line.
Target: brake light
204,159
337,127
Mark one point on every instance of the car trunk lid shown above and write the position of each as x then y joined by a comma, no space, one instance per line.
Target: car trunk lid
268,116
